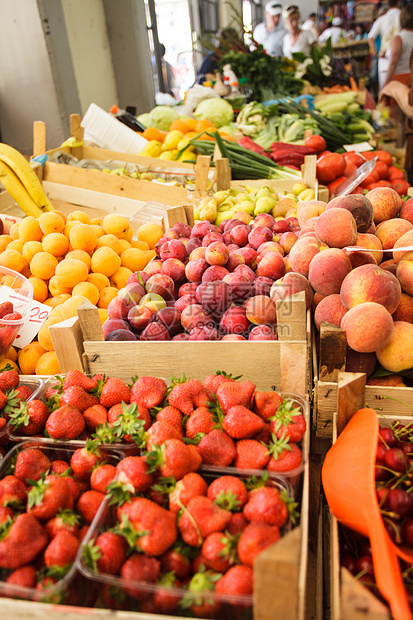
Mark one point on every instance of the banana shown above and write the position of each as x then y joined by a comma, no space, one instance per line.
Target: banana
17,191
23,170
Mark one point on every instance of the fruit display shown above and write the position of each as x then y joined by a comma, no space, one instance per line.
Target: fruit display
14,392
46,510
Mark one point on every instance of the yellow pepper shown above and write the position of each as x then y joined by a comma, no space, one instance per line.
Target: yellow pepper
172,140
152,149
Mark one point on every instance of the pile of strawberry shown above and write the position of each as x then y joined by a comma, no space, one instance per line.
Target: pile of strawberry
224,421
48,499
8,331
177,541
12,395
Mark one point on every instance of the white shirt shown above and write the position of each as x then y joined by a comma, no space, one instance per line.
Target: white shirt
334,33
403,65
386,26
272,41
303,43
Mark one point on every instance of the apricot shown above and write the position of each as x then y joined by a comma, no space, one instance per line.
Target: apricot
397,354
370,283
368,327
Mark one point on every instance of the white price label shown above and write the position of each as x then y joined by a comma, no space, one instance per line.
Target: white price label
38,314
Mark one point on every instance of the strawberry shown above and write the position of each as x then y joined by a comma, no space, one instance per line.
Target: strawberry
6,514
251,454
114,391
172,458
30,464
30,418
83,532
212,382
188,396
237,581
147,526
65,423
95,415
78,397
200,518
88,504
266,404
202,606
148,391
23,392
9,379
75,488
229,492
285,456
6,307
12,316
47,496
159,432
241,423
191,485
84,460
62,550
107,553
265,504
127,422
12,491
53,391
289,422
134,471
255,538
3,399
219,551
101,477
64,520
25,538
234,393
139,568
201,421
25,577
176,560
237,524
172,416
217,448
166,602
76,377
113,597
9,331
60,468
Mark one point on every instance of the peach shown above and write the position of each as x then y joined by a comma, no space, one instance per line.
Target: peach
329,309
328,270
290,284
404,272
389,381
390,231
282,207
360,362
359,206
373,284
309,227
404,311
260,309
404,241
406,212
316,300
397,355
368,327
386,203
357,259
336,228
310,209
367,240
389,265
302,253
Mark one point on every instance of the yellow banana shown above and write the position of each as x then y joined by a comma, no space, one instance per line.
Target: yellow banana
17,191
29,179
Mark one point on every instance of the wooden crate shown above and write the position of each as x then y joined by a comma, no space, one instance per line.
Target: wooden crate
284,364
326,371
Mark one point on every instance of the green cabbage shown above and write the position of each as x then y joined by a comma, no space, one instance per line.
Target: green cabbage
231,128
216,110
144,119
162,116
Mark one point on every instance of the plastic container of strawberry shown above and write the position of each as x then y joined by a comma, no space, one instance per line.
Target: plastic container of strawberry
35,384
129,448
17,291
229,606
72,588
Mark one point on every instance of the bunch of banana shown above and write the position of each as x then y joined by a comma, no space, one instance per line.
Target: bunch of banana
22,183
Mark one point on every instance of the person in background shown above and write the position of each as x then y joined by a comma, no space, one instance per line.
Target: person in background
224,41
167,73
360,32
335,32
385,26
297,39
310,24
270,33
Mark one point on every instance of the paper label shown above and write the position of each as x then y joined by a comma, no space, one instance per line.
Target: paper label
360,147
38,314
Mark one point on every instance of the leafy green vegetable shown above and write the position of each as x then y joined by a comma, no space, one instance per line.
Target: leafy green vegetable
161,117
216,110
252,119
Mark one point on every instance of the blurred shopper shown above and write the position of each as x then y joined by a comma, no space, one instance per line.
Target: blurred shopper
297,39
335,32
360,32
310,24
270,33
385,26
167,73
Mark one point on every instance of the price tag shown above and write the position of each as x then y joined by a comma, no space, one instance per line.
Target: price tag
38,314
360,147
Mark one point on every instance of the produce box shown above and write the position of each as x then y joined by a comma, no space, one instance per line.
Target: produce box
284,364
327,367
